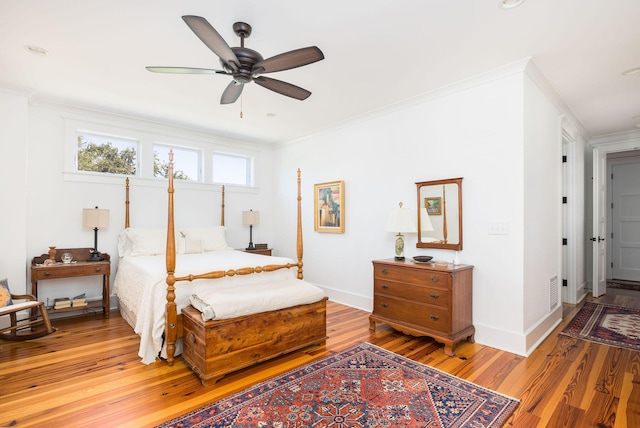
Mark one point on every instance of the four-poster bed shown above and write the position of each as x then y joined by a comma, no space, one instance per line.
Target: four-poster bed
261,307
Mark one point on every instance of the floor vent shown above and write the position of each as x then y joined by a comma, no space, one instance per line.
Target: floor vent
553,292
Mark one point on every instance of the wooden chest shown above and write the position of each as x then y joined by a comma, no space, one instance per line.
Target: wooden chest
217,347
424,300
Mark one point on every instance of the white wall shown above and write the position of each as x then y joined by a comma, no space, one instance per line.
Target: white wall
542,215
13,188
477,133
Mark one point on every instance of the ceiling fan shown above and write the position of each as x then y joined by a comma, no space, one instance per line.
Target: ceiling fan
243,64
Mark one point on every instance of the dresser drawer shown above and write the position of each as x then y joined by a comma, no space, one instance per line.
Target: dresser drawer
416,293
431,317
412,276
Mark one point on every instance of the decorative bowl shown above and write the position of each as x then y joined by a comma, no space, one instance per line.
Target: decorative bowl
422,259
66,258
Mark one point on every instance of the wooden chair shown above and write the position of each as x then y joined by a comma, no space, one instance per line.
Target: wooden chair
30,328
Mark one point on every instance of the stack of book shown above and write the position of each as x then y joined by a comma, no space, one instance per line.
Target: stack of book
79,301
61,303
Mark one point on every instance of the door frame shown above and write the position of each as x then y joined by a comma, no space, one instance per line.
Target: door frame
632,157
623,142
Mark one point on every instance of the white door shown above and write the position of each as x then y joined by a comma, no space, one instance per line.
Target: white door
599,223
625,221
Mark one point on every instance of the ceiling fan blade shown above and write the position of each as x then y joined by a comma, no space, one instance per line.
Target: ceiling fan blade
283,88
231,93
212,39
185,70
288,60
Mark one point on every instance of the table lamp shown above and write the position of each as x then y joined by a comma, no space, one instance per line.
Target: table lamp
250,218
401,221
95,218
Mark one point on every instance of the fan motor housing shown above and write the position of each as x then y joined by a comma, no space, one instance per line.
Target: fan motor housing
247,58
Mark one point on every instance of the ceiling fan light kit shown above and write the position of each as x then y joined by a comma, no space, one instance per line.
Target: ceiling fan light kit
245,65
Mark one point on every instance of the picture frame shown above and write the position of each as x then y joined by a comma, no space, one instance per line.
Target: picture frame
328,202
433,205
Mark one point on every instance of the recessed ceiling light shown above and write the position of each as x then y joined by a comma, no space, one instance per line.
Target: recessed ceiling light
509,4
271,115
633,70
36,50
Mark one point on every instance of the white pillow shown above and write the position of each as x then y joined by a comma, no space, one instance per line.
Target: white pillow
124,243
213,237
147,242
193,246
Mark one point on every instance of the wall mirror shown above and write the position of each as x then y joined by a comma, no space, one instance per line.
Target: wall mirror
440,214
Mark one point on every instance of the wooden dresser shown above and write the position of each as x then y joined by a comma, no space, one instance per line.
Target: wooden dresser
424,300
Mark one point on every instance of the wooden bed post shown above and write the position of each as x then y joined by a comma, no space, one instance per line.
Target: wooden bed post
126,206
171,314
299,237
222,217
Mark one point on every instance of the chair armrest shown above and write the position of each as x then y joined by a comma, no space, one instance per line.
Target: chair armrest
23,297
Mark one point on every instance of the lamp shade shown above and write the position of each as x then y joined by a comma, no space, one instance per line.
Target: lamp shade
425,221
250,218
95,218
401,221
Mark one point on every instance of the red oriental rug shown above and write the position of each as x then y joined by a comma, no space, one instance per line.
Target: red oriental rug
365,386
607,324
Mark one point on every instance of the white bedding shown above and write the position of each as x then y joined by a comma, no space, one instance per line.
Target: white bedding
140,285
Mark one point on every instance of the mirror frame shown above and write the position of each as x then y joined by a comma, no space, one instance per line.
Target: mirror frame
446,246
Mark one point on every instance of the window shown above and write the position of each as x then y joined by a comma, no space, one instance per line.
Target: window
232,169
103,151
186,162
106,154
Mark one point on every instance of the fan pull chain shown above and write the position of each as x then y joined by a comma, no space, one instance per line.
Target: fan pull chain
240,106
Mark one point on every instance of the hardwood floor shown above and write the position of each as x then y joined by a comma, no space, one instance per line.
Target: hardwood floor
88,374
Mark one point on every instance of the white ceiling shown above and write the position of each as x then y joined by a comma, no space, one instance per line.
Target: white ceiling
377,53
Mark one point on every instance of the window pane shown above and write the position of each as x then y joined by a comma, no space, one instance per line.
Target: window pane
186,162
103,153
231,169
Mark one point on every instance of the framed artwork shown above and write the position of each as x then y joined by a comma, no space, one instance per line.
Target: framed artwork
328,201
433,205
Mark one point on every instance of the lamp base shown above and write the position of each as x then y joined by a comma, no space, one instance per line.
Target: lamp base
251,247
95,257
399,247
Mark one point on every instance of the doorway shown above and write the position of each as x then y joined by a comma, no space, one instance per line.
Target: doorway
621,145
623,227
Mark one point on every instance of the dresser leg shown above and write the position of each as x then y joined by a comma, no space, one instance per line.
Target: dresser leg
372,325
449,348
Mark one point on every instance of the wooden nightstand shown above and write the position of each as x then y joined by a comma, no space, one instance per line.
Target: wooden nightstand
261,251
79,267
424,300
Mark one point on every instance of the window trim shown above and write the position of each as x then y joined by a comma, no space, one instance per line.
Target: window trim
148,134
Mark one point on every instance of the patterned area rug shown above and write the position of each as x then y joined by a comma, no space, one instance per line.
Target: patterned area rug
365,386
624,285
607,324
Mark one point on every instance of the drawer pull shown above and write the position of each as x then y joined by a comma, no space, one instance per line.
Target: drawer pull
47,273
97,269
384,305
434,317
434,295
435,279
385,286
385,271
